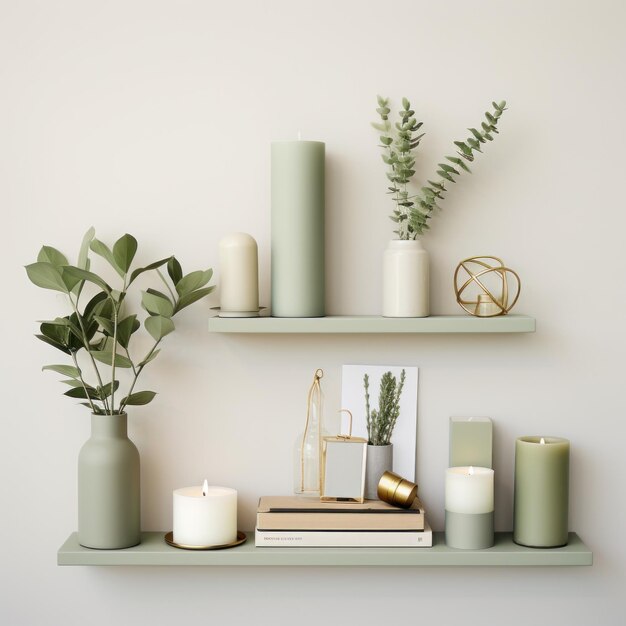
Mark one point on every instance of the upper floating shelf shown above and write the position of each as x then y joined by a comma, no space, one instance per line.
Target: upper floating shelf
373,324
154,551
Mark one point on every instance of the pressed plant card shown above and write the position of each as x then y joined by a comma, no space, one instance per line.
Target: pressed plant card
353,398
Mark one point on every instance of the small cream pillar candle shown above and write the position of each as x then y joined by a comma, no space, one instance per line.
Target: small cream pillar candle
205,516
469,507
239,273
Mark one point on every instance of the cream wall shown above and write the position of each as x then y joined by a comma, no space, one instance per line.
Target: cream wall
155,118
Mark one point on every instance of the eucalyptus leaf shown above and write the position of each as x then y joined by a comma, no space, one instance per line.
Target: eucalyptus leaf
107,390
91,305
159,326
139,398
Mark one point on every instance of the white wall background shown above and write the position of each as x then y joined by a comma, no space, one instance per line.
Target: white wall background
155,118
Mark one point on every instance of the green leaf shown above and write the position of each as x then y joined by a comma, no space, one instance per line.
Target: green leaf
474,144
83,255
51,255
65,370
477,135
107,325
125,329
449,169
193,281
47,276
445,175
386,141
88,276
104,356
72,382
124,250
91,305
157,304
458,162
174,270
406,104
147,268
107,390
192,297
70,281
103,250
159,326
54,343
139,397
150,358
79,392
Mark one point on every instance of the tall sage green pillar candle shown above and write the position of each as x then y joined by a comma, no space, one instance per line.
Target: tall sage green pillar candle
541,492
471,442
298,284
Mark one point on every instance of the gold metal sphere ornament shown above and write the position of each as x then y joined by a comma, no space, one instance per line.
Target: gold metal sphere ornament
488,287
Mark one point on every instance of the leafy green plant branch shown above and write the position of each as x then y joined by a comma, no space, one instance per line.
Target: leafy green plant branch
381,422
412,212
101,330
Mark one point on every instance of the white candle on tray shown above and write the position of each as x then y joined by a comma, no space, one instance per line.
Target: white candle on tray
205,515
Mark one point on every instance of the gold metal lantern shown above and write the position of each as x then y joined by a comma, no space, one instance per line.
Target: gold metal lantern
489,288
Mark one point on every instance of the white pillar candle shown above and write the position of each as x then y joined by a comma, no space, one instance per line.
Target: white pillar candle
205,516
469,490
239,273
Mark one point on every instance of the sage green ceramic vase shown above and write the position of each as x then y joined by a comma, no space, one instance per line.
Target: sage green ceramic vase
108,486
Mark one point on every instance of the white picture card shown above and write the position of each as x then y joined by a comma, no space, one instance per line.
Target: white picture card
404,437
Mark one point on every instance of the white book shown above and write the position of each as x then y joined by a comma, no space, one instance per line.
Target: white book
344,538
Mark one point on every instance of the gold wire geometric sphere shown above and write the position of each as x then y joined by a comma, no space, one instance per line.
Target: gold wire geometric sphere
487,286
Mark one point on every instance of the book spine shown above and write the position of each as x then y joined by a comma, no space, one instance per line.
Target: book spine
344,539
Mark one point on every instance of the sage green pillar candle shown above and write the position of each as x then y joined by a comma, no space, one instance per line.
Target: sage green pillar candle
298,281
471,442
541,492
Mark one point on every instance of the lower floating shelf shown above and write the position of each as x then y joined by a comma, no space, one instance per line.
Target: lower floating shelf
154,551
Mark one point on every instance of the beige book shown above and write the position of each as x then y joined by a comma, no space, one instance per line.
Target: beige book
302,513
344,539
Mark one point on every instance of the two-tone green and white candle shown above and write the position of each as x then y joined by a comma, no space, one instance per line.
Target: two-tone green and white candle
541,492
469,503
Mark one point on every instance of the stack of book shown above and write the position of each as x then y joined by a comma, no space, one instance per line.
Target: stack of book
285,521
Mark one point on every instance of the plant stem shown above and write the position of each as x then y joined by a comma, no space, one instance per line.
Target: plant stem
86,344
143,364
80,376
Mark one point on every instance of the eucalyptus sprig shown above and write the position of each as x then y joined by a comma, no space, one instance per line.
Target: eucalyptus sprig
103,330
412,212
399,143
381,422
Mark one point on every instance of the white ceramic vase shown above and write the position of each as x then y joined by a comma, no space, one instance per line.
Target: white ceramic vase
406,282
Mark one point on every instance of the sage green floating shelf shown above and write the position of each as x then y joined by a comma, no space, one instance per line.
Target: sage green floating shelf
154,551
369,324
